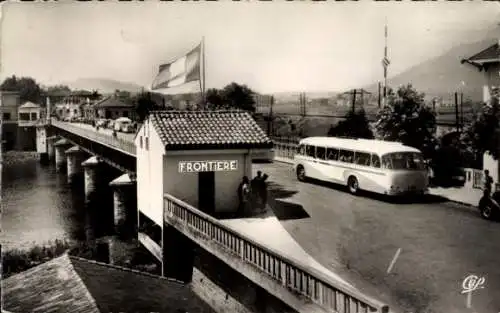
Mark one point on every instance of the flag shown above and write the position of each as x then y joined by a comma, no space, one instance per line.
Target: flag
183,70
385,62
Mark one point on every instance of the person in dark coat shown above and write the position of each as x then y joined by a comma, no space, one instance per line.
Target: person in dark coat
256,185
263,191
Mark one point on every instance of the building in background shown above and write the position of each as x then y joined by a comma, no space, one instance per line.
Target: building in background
488,62
114,107
9,104
29,115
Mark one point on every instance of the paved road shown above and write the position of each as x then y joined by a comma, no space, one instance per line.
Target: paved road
107,131
358,236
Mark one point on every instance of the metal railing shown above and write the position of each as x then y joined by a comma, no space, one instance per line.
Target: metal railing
302,280
477,177
123,145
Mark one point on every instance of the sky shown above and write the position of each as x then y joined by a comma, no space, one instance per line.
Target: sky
270,46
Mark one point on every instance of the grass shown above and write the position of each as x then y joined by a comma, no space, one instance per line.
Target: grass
16,260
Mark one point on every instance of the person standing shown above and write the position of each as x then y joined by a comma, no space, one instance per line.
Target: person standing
256,186
487,183
243,195
263,192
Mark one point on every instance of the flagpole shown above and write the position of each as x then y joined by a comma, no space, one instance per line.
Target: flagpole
202,79
385,63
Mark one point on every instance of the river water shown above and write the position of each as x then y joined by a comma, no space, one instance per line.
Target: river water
39,206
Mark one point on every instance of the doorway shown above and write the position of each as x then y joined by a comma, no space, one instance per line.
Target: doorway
206,192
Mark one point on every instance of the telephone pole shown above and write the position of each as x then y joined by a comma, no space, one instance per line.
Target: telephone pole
379,94
271,118
385,64
457,119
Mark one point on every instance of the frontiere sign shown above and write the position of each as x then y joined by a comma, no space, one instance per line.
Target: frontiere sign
208,166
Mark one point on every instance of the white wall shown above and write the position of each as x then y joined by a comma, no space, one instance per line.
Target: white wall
149,174
41,140
491,165
185,185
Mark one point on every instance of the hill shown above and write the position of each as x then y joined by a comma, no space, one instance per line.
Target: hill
443,75
103,85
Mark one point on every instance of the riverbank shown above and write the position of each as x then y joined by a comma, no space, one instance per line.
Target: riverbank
15,157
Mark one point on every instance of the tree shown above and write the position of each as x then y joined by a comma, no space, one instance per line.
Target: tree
214,98
482,135
407,119
144,104
239,97
355,125
28,88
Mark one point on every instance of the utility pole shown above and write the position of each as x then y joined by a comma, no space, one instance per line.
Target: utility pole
354,101
385,63
462,120
271,118
457,121
379,94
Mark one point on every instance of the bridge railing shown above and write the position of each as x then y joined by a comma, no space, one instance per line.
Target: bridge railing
291,274
285,147
117,143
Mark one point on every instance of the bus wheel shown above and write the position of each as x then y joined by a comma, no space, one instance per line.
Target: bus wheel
301,173
352,183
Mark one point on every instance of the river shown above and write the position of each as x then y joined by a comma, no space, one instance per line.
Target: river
39,206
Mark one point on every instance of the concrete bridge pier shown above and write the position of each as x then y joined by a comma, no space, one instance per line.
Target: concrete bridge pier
92,169
60,147
50,147
75,156
178,255
124,204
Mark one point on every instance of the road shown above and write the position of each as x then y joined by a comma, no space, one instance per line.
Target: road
358,237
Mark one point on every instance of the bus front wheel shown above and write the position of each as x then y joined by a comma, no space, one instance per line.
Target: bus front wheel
352,183
301,173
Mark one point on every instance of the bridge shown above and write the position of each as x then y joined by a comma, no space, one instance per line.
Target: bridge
81,150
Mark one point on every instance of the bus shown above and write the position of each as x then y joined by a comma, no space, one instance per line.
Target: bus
383,167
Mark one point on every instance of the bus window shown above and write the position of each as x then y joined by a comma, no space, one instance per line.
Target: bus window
310,151
301,150
362,158
375,161
332,154
346,156
320,153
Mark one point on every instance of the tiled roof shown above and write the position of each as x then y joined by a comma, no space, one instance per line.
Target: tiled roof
114,102
53,286
71,284
490,53
28,105
189,130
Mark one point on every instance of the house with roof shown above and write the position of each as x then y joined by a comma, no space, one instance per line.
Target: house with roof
72,284
9,104
199,157
114,106
487,61
28,114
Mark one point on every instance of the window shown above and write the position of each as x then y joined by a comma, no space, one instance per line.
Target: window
375,161
140,142
6,116
320,153
346,156
147,143
332,154
33,116
75,111
301,150
403,161
362,158
310,151
24,116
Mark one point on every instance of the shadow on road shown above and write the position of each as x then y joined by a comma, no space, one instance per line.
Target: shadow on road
284,210
426,199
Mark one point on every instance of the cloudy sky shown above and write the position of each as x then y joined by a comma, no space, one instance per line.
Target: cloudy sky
278,46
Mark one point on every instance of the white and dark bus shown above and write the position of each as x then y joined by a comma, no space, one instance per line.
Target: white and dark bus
378,166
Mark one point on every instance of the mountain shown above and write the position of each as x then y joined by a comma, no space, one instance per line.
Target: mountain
443,75
103,85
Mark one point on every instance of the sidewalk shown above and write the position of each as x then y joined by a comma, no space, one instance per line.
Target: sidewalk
266,229
462,195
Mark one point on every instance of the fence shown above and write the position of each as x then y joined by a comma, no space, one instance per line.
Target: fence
125,146
304,281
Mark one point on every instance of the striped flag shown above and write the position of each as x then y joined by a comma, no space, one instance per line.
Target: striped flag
385,62
183,70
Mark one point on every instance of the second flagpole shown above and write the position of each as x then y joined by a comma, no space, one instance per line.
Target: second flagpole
202,78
